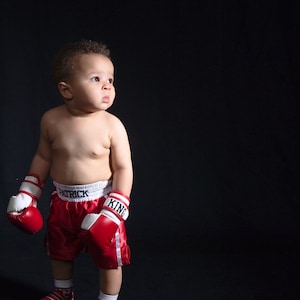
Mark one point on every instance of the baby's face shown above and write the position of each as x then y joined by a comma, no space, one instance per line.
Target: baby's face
92,83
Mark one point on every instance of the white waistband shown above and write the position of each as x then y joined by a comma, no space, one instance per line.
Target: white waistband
85,192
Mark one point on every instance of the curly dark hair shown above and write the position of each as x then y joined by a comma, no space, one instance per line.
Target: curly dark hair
64,60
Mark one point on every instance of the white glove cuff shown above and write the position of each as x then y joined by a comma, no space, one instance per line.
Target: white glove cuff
119,208
30,188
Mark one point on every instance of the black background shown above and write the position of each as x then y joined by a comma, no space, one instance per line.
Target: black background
209,93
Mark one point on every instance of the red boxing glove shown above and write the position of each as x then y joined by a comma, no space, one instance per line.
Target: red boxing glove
21,209
99,229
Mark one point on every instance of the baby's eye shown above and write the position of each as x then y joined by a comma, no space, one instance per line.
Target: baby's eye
95,79
111,80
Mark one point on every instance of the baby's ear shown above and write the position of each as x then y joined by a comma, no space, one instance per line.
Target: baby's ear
65,90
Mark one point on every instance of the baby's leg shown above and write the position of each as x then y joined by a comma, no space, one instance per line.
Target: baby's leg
110,283
62,273
62,270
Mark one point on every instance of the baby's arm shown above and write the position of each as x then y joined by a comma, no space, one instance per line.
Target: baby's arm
41,161
22,209
121,159
116,206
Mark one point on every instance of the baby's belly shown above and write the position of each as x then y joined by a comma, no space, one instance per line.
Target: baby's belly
82,171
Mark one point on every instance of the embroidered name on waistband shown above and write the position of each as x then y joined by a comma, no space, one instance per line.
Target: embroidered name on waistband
73,194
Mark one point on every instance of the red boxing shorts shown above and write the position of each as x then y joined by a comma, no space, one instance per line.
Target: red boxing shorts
69,205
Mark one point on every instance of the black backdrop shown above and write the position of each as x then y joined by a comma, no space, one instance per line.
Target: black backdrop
209,93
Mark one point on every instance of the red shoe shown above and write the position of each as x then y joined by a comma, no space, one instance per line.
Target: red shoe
60,294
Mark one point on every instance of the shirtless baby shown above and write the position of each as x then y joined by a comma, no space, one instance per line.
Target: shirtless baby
86,152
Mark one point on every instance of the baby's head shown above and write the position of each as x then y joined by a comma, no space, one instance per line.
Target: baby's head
66,58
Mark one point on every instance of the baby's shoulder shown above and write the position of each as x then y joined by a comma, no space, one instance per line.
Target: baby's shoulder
57,110
113,124
53,114
110,118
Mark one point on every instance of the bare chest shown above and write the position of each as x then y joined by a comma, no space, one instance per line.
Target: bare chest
80,139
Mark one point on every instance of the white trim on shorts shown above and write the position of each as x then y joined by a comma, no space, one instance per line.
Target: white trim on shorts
84,192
